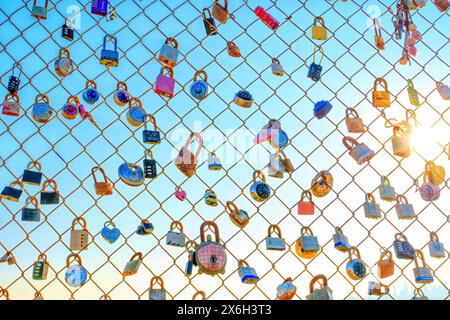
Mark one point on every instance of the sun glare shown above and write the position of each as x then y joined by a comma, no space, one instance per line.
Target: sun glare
426,141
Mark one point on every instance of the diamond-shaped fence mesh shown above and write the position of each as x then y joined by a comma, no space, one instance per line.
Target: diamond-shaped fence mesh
69,149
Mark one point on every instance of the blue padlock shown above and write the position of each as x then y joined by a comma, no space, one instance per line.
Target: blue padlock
109,58
109,232
322,108
315,69
90,94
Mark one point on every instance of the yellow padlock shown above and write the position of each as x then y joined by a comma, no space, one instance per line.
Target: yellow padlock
436,173
319,32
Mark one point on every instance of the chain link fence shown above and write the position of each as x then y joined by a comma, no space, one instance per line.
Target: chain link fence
68,149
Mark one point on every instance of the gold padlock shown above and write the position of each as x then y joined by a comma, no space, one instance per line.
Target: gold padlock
288,167
381,98
379,42
436,174
79,239
220,12
233,49
353,122
319,32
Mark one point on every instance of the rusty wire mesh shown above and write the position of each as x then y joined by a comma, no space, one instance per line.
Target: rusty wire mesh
68,150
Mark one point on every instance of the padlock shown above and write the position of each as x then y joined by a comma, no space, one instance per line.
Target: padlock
246,273
322,184
307,246
353,122
403,249
267,131
202,294
200,88
157,294
210,255
31,177
276,167
422,274
429,191
11,105
70,109
14,81
415,4
67,31
214,162
38,296
279,138
42,112
306,207
288,167
174,238
149,164
387,192
286,290
136,113
385,265
180,194
208,21
319,32
412,94
121,96
39,12
401,145
109,58
11,193
239,217
355,268
131,174
381,98
151,136
31,214
109,232
404,209
8,258
40,268
49,197
133,265
340,240
371,208
436,173
168,55
99,7
233,49
259,190
145,228
323,293
63,64
79,239
90,94
379,42
275,243
377,289
76,275
418,293
211,198
268,20
165,84
102,188
322,108
276,67
315,69
190,248
243,99
358,151
442,5
436,247
220,12
186,161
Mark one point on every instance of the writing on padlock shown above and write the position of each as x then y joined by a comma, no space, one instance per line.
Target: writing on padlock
151,136
268,20
422,273
176,238
11,105
99,7
14,81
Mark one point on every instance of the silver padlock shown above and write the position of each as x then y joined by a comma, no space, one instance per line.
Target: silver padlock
358,151
423,273
157,294
323,293
275,243
239,217
276,67
340,240
276,166
176,239
387,192
214,162
246,273
404,209
371,208
168,55
64,65
436,247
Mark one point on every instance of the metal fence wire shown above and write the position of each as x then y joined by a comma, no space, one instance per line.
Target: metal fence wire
330,53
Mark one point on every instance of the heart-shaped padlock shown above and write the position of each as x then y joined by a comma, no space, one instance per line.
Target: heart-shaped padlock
109,232
180,194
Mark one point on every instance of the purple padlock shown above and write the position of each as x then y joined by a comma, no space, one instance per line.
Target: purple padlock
429,191
99,7
180,194
165,84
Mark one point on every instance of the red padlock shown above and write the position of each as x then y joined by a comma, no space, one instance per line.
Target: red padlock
165,84
11,105
180,194
306,207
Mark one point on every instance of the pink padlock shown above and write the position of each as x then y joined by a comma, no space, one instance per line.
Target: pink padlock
268,131
410,42
443,90
412,51
429,191
180,194
416,35
165,84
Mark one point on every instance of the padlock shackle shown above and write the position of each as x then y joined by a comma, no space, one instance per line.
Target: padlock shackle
306,194
121,86
173,42
81,221
320,20
17,182
157,280
203,229
204,11
377,27
201,72
111,37
199,293
136,254
259,174
34,164
386,253
401,199
14,97
225,7
434,236
385,181
274,228
349,143
18,66
318,49
51,183
109,223
382,82
91,84
370,198
75,257
316,279
351,112
200,141
275,60
133,102
94,169
176,225
242,262
64,51
42,97
42,257
46,4
169,70
230,207
148,153
306,231
399,236
355,251
152,119
191,244
32,200
338,230
411,114
73,99
419,254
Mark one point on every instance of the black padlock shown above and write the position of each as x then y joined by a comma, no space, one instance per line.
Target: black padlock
151,136
150,170
32,177
67,31
11,193
49,197
31,214
14,81
208,21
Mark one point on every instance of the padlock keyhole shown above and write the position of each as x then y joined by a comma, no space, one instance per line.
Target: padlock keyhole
213,259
